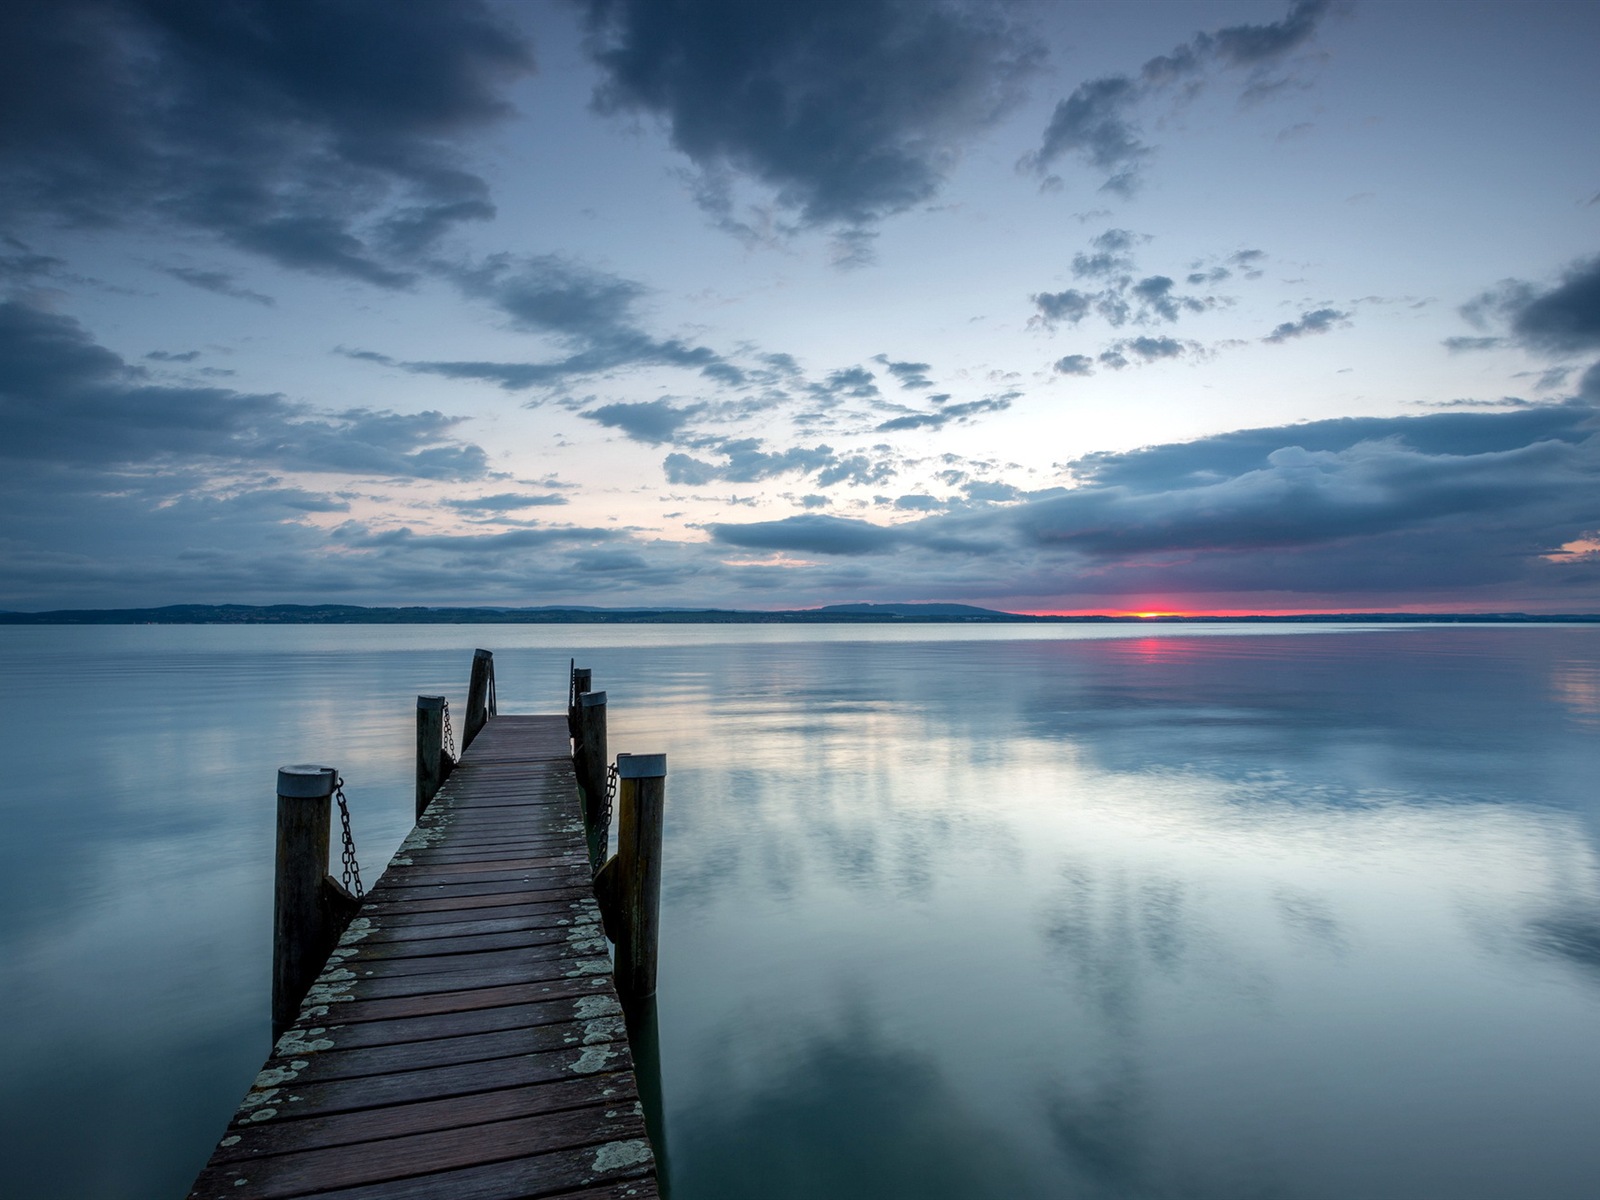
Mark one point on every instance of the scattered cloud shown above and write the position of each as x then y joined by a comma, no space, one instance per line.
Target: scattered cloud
504,502
911,375
1144,349
1110,254
65,399
217,282
943,413
1123,298
652,422
1098,124
1463,345
1074,364
591,314
1319,320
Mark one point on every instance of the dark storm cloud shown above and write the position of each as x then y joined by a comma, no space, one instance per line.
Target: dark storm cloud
1098,124
1493,477
218,282
1563,319
845,110
651,422
810,535
1457,500
65,399
1319,320
321,134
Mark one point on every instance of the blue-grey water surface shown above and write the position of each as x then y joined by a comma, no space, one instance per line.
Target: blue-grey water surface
948,912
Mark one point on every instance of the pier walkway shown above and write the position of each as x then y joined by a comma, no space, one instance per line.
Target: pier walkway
465,1038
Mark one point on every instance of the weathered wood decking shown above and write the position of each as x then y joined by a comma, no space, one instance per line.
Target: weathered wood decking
465,1039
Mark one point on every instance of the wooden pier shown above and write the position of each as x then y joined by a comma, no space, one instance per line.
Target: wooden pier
465,1038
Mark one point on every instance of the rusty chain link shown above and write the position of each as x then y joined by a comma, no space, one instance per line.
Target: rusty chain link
352,869
449,734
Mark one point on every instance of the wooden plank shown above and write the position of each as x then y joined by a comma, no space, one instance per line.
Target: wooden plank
425,1115
298,1173
465,1038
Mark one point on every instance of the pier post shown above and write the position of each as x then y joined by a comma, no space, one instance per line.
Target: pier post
430,749
590,756
582,681
479,691
641,807
310,908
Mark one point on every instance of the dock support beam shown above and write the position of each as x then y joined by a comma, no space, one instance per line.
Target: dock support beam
310,908
641,807
430,750
589,754
480,696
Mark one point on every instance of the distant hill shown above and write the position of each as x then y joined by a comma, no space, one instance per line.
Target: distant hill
866,614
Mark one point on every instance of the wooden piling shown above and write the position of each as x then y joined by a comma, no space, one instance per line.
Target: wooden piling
480,692
310,907
589,757
430,749
641,807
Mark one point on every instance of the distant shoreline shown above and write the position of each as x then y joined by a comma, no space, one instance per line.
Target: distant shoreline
839,614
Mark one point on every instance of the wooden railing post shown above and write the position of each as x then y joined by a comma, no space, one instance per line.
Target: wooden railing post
479,691
430,749
641,806
310,908
589,754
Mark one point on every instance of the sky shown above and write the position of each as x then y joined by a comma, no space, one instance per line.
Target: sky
1225,306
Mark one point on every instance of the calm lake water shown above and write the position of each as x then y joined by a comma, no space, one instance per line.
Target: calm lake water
948,912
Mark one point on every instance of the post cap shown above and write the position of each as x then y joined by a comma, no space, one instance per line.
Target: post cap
483,654
592,699
430,702
306,781
641,766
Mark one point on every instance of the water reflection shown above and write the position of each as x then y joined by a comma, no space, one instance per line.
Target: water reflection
1113,917
851,1111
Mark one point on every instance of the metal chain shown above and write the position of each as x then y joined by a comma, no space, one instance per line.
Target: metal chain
493,707
449,734
352,869
611,794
